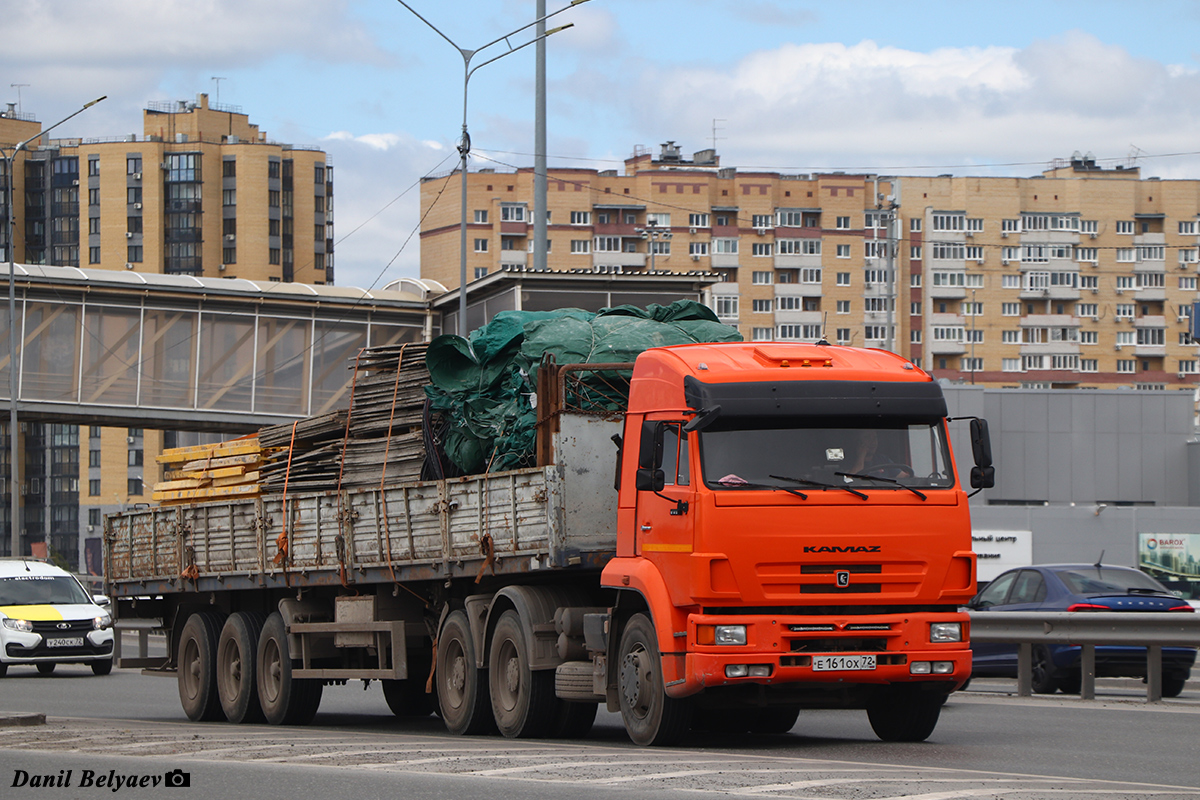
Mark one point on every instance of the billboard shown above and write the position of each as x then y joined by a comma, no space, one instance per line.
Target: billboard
996,551
1172,558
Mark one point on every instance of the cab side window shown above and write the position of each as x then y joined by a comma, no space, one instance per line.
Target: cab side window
675,455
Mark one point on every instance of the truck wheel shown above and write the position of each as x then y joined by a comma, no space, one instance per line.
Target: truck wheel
523,701
774,719
102,667
285,700
197,663
462,687
904,713
573,720
651,717
237,652
1045,675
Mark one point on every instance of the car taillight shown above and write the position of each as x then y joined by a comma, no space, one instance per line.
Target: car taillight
1087,607
1186,608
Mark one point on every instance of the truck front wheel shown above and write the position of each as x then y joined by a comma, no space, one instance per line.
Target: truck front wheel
285,700
462,686
651,717
904,713
197,662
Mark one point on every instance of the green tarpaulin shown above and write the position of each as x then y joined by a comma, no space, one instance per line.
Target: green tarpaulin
484,386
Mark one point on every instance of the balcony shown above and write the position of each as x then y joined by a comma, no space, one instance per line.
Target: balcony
946,292
945,347
797,317
612,258
797,261
724,260
513,258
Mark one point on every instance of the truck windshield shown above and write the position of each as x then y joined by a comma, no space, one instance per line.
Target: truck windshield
738,453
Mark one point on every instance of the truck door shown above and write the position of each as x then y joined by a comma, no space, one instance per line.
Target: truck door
664,516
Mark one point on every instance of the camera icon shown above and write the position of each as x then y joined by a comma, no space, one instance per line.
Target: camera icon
178,777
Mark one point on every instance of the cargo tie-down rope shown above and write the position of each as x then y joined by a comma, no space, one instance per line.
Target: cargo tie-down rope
281,542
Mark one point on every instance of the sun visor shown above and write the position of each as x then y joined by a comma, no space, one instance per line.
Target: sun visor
908,400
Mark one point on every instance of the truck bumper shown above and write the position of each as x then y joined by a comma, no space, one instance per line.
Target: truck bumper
793,650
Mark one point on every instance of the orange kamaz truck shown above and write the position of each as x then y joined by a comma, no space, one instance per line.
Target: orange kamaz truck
758,529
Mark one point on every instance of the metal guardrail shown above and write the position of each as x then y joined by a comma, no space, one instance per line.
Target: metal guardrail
1088,629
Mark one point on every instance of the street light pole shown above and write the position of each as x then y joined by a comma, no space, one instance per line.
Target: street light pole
464,147
652,233
14,486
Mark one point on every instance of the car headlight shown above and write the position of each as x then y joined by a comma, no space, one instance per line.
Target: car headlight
102,622
23,625
945,631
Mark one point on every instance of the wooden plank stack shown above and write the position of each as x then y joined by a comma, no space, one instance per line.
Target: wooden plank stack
210,472
389,394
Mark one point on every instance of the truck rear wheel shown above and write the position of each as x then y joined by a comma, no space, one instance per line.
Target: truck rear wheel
904,713
237,654
285,700
523,700
650,716
197,667
462,686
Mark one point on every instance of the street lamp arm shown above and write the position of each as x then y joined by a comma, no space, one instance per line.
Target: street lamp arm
465,53
44,131
512,49
530,25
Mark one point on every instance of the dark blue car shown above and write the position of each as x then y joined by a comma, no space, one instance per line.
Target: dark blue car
1083,588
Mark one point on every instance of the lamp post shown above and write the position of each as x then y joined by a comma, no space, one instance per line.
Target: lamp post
464,146
13,478
652,234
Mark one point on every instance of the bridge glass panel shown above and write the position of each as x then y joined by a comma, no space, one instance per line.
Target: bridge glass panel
50,363
226,362
168,358
394,334
111,344
281,384
335,345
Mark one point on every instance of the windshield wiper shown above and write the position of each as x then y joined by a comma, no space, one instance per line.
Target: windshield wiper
818,484
880,478
748,485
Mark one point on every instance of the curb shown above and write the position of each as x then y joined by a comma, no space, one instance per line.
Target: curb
14,720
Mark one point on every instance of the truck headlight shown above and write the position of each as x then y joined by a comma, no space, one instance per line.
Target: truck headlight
945,631
18,625
721,634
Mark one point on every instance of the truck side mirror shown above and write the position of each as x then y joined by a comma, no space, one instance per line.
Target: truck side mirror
704,417
650,451
981,443
650,480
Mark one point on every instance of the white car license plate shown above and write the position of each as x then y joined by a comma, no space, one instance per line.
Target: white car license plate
842,663
65,641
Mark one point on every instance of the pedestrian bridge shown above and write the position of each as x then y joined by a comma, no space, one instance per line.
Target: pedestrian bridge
116,348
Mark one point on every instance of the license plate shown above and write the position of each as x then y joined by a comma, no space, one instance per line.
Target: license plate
842,663
65,641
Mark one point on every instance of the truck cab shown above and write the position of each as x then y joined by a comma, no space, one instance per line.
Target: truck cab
792,533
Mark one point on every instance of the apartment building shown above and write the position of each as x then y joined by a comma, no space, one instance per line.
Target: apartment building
1082,276
201,192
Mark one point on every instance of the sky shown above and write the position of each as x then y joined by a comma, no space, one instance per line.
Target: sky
895,88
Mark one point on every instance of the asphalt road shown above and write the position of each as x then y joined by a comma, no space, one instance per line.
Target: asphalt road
988,744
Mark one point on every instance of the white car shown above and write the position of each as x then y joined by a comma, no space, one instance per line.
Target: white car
47,618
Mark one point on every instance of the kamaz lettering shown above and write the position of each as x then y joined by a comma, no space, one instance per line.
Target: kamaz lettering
848,549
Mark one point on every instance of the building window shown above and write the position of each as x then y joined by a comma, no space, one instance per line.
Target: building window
948,222
1125,226
698,220
133,224
273,198
697,249
914,336
914,224
135,487
762,334
914,309
875,332
843,279
581,246
229,197
93,255
761,278
843,336
1089,365
94,487
481,245
761,306
133,254
972,364
93,458
1126,366
481,272
273,255
726,306
725,246
798,247
229,168
843,306
1010,365
132,195
761,249
229,256
843,251
761,221
842,223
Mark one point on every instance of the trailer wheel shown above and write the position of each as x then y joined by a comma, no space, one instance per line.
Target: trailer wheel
523,701
651,717
197,662
462,686
285,700
904,713
237,654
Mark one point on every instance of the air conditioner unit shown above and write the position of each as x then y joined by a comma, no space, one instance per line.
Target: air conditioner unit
1120,291
1181,318
137,176
1116,347
1004,262
970,234
1182,375
761,231
229,237
1095,317
979,261
1003,234
128,234
128,440
75,182
1092,235
695,257
93,527
129,266
1095,290
165,165
221,268
137,206
691,230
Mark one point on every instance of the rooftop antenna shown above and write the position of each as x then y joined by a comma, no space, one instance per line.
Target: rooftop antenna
217,80
18,86
716,128
824,340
